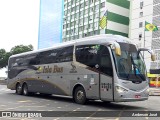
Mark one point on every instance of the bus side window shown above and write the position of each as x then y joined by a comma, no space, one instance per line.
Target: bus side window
65,54
34,61
87,55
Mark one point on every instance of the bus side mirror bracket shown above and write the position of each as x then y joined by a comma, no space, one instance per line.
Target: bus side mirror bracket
115,46
153,57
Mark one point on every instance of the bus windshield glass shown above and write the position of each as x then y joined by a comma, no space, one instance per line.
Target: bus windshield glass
130,65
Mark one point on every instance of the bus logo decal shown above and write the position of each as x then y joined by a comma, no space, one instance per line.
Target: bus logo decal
73,69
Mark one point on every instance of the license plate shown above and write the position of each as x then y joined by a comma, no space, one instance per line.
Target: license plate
137,96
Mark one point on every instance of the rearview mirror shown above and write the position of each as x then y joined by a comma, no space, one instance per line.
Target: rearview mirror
115,46
153,57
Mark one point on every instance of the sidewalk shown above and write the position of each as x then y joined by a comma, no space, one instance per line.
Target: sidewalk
154,91
3,82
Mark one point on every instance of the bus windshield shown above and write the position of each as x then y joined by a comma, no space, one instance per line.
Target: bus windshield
130,65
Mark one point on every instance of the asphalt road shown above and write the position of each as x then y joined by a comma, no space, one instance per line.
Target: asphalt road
9,101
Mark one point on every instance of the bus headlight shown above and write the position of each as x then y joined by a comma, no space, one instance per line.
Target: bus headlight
121,89
147,90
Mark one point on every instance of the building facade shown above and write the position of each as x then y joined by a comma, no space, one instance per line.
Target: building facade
50,23
81,18
141,11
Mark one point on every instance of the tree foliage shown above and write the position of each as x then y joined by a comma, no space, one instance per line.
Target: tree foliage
4,56
20,49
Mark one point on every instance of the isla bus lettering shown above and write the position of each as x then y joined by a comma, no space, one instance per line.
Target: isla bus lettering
54,69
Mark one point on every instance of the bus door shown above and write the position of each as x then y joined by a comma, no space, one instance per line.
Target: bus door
105,75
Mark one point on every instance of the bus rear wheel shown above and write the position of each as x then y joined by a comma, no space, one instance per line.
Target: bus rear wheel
19,89
79,95
25,89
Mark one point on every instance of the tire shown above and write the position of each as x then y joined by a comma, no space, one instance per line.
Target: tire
45,94
79,95
106,102
25,90
19,89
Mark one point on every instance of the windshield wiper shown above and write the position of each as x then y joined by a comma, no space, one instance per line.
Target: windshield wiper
136,70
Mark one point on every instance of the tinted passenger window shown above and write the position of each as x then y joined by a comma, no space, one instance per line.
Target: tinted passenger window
56,55
46,57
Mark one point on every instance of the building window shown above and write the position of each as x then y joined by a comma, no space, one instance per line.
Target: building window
86,19
140,36
96,15
73,2
80,36
72,16
140,24
81,5
91,9
85,34
68,25
65,13
64,26
103,5
77,7
68,18
86,11
96,32
96,24
96,0
81,13
141,4
69,10
81,22
85,27
81,28
73,9
90,17
69,4
76,15
96,8
141,14
72,24
86,3
71,31
76,22
90,26
91,1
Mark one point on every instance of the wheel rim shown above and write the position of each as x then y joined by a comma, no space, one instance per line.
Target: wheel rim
18,88
25,90
80,95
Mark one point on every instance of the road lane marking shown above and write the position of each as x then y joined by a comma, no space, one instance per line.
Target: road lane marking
77,109
24,101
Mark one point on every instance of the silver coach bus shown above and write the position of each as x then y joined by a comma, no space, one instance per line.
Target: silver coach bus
103,67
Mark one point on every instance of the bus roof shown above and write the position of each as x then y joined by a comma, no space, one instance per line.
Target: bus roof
103,38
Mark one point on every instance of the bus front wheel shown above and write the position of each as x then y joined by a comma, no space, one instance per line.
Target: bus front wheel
79,95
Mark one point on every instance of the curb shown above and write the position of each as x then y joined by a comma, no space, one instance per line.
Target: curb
2,82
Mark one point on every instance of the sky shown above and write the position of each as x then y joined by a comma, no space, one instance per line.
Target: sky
19,21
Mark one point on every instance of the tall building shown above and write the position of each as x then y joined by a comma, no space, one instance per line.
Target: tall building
50,23
81,18
141,11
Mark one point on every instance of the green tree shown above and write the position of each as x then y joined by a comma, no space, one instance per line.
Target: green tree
4,56
20,49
